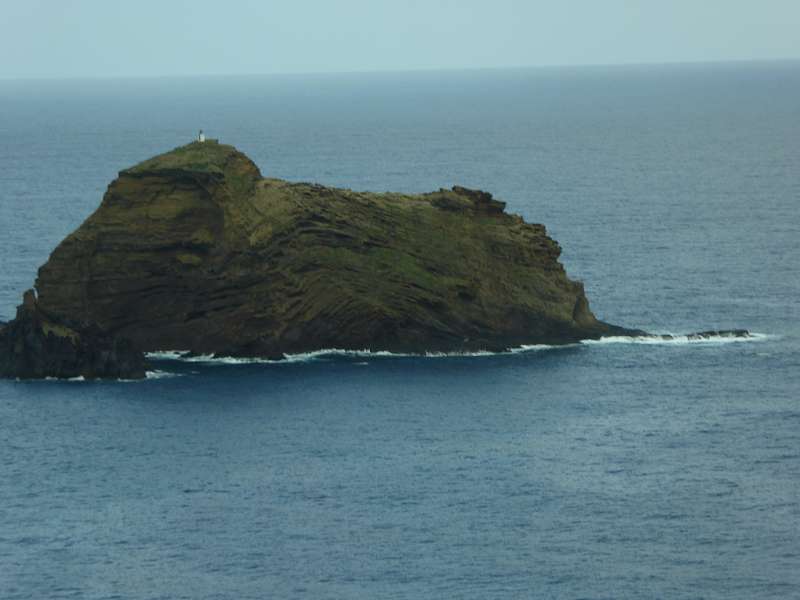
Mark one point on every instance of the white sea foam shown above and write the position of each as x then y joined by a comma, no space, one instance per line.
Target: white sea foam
160,374
538,348
327,353
655,339
670,339
185,356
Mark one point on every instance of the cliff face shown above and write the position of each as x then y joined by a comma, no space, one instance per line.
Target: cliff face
33,346
194,250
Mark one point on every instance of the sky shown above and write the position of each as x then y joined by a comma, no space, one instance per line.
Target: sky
152,38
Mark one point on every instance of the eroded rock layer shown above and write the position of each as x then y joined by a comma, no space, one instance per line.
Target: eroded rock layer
195,250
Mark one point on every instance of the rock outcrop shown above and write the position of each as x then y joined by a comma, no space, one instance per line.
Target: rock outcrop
34,346
195,250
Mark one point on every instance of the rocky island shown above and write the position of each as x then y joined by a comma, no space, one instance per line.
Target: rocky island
195,250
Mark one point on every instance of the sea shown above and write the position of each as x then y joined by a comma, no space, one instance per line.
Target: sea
621,468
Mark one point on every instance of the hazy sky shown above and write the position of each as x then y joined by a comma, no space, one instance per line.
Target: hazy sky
75,38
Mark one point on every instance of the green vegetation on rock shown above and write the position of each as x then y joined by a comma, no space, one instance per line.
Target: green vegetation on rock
194,250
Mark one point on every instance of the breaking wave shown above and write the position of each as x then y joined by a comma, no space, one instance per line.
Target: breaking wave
161,374
670,339
704,338
186,356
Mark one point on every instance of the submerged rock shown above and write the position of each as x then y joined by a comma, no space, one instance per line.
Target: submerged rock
195,250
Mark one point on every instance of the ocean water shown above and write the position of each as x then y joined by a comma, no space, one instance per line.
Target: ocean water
616,469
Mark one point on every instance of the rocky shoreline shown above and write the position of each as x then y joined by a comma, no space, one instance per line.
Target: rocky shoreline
194,249
32,346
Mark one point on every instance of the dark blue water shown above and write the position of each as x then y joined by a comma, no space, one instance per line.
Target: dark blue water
595,471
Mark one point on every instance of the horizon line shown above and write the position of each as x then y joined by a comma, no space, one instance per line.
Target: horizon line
400,71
